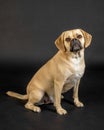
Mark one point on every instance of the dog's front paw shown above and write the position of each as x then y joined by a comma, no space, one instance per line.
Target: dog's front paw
78,103
61,111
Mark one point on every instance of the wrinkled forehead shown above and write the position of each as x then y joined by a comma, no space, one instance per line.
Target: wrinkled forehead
73,33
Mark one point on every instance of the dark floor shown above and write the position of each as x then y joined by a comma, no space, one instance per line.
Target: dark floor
13,115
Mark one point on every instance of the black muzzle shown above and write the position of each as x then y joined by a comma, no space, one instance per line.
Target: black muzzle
75,45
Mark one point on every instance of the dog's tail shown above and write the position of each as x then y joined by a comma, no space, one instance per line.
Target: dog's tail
17,95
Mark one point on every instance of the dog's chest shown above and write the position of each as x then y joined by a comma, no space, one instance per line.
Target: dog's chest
76,72
73,78
76,68
76,63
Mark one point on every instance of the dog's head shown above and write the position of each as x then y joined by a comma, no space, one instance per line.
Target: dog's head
73,40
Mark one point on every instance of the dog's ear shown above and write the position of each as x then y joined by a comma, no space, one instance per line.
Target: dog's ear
60,42
88,38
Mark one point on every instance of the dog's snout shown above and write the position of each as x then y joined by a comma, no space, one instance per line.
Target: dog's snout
75,45
74,40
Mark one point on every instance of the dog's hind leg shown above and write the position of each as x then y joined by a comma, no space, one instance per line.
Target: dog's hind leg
34,97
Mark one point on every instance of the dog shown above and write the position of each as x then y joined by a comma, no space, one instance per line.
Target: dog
61,73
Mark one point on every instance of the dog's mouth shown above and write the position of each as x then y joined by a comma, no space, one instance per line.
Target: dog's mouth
75,45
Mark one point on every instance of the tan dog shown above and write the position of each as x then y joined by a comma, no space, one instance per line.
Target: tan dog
59,74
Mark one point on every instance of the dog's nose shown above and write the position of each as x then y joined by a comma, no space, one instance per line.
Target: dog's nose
75,45
74,40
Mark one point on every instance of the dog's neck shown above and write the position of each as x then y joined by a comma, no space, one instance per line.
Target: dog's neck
73,60
74,55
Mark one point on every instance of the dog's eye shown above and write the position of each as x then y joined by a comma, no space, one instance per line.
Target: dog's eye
79,36
68,39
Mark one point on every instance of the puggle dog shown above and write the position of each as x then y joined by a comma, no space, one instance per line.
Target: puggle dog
59,74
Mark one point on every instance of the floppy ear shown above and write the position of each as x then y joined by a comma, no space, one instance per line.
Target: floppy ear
87,37
60,42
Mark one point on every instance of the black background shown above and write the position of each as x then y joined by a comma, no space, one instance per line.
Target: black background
28,29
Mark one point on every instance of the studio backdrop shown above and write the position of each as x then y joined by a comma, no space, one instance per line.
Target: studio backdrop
28,28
